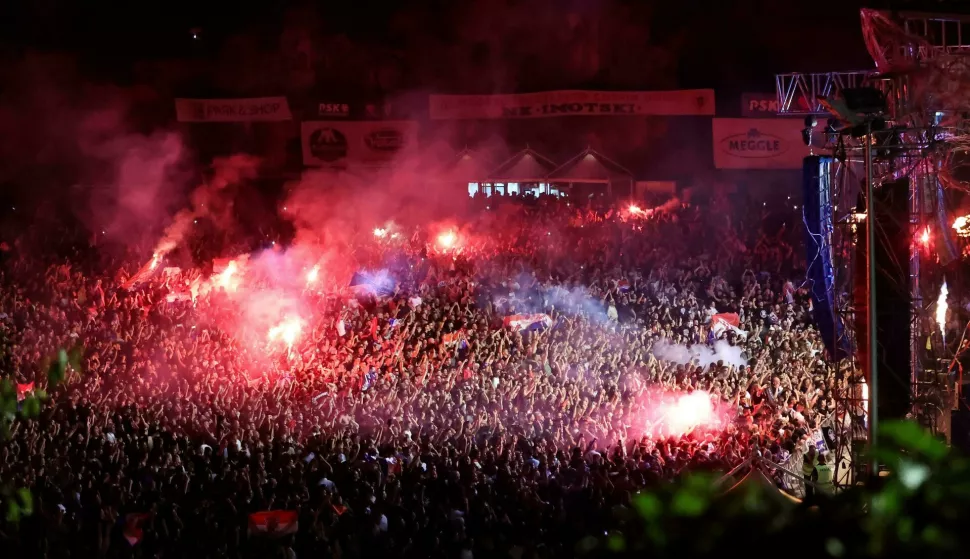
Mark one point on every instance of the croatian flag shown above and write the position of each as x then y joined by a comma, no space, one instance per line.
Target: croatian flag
274,523
727,322
521,322
379,283
23,389
623,285
453,338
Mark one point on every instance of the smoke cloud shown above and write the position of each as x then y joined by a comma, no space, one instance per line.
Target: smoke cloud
703,355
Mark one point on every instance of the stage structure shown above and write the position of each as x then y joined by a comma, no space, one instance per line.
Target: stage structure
896,127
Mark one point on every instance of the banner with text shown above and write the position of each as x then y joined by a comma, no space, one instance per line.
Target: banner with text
258,109
342,144
762,143
759,105
689,102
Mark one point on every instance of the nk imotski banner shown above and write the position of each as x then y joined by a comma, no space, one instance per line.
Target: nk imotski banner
258,109
684,102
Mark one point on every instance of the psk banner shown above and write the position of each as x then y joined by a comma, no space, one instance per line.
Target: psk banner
258,109
755,105
691,102
758,143
341,144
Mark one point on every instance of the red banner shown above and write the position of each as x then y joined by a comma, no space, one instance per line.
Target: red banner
692,102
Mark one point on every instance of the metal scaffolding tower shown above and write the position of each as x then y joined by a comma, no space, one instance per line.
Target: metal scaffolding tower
911,147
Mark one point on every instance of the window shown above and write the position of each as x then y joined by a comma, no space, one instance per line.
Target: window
472,188
513,188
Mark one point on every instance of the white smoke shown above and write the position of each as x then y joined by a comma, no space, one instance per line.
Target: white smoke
702,354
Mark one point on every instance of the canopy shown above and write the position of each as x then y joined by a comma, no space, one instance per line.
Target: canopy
757,477
467,166
590,167
525,166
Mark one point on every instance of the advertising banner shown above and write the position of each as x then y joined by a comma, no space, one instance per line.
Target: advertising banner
343,144
259,109
689,102
759,105
764,143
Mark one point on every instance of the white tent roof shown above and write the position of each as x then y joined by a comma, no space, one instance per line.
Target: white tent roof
590,167
467,166
525,166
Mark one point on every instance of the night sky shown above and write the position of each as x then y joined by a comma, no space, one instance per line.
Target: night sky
738,44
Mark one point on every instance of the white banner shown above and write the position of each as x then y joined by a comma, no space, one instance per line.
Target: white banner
342,144
696,102
758,143
259,109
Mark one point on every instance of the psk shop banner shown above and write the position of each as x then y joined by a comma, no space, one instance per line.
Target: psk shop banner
690,102
758,143
343,144
258,109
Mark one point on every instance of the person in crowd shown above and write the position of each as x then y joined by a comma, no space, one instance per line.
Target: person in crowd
411,423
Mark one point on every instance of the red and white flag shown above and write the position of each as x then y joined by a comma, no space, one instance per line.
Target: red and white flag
526,321
132,530
725,322
23,389
273,523
453,338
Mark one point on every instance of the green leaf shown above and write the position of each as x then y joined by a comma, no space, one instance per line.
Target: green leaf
910,436
31,407
55,373
13,511
689,503
26,501
74,357
7,389
648,505
616,543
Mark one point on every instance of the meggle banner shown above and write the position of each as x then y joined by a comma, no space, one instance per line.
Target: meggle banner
340,144
259,109
692,102
758,143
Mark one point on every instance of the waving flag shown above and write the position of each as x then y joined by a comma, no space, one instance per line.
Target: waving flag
378,283
23,389
274,523
726,322
521,322
623,285
453,338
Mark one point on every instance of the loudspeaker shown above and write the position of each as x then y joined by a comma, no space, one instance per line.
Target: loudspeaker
893,243
960,430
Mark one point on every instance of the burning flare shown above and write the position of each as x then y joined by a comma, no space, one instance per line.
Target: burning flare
313,274
226,278
447,240
288,331
962,225
941,308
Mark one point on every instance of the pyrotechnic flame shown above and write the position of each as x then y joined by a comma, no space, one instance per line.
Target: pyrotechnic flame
689,411
287,331
962,225
924,237
941,308
634,209
225,278
380,233
156,258
447,239
313,274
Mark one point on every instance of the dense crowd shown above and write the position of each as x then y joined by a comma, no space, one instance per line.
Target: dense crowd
412,423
